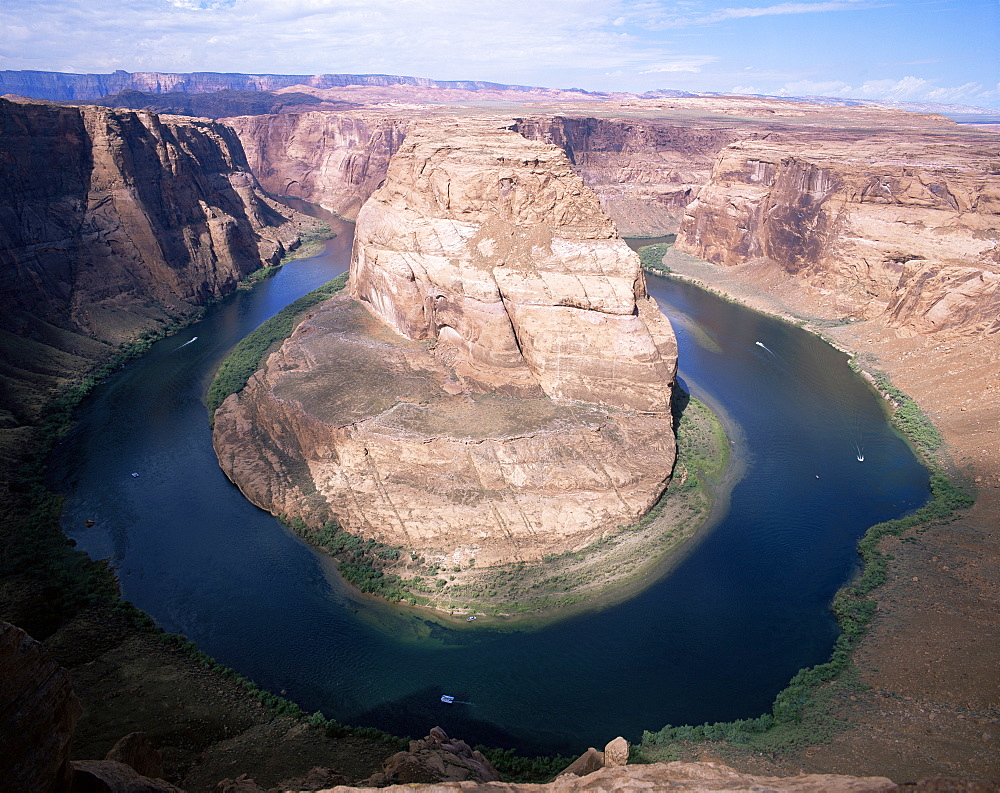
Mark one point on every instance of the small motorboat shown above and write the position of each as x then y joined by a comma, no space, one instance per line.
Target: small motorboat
446,699
135,474
470,619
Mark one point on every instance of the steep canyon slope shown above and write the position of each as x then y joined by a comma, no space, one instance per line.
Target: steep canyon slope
905,228
880,229
904,215
113,224
496,388
110,223
336,160
645,171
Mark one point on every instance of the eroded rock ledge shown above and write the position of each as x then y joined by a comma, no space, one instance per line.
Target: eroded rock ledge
497,385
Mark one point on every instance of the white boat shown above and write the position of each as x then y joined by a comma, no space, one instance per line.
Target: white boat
447,699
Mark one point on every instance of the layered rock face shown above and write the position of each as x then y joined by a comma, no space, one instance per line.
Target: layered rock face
644,171
335,160
499,386
902,228
112,221
491,245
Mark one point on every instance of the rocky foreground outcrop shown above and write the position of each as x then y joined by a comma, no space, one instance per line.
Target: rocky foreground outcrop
496,388
38,712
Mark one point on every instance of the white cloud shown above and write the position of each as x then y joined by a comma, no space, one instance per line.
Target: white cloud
904,89
610,44
815,88
658,18
681,64
443,39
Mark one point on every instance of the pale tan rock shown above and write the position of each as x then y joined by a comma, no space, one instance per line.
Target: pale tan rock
586,763
680,776
108,776
490,243
902,232
498,390
616,752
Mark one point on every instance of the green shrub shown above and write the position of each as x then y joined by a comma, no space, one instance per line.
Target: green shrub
651,258
515,768
247,356
361,562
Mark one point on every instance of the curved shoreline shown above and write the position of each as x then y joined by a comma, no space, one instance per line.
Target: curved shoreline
701,750
840,720
683,518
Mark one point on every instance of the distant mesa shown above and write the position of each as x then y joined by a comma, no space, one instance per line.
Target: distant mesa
62,86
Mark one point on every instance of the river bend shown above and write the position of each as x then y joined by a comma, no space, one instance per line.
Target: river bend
715,639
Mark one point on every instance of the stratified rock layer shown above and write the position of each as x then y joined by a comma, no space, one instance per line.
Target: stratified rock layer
333,159
112,222
499,388
904,228
644,171
491,245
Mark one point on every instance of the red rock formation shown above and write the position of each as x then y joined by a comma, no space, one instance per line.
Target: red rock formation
436,758
333,159
105,209
902,227
516,405
112,221
644,171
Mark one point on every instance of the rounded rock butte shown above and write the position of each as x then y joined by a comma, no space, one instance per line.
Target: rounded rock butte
497,385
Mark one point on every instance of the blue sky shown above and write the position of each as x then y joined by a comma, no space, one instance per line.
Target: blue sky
908,50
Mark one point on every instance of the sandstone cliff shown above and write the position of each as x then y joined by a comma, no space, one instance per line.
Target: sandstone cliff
111,222
499,388
903,227
335,160
644,171
38,712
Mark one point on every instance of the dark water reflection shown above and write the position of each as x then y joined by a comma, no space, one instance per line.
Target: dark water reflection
715,639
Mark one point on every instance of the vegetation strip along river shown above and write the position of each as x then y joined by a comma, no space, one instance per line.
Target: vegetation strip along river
715,639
